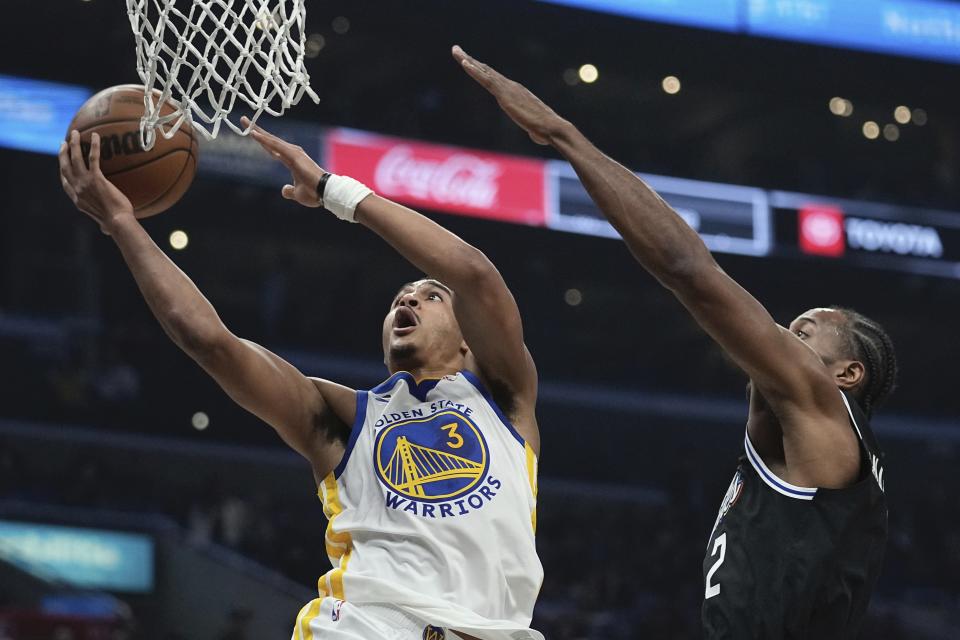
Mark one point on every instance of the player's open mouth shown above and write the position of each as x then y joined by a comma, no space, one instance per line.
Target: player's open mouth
405,321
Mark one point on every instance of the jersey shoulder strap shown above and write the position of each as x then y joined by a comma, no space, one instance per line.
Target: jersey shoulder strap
873,455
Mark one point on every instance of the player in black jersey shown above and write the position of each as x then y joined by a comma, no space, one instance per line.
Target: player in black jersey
799,540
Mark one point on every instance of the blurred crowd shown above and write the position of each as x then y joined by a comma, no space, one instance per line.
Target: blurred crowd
616,567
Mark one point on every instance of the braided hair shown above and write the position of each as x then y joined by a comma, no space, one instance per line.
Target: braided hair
867,342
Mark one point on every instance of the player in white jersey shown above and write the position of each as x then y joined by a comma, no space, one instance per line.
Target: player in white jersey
429,479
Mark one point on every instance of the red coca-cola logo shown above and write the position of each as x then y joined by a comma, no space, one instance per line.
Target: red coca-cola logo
443,178
458,179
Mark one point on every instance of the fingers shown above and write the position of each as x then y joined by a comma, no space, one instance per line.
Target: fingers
288,191
68,188
95,153
66,170
279,149
260,133
76,155
480,72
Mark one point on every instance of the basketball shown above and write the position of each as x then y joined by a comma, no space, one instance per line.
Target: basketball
153,180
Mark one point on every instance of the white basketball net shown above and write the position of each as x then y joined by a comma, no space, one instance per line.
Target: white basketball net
208,54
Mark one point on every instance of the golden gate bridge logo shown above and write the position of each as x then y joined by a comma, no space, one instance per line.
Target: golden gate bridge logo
435,458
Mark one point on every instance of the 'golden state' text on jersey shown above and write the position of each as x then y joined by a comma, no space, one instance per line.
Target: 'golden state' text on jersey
433,509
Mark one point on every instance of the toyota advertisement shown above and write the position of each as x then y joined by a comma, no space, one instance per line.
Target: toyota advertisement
868,234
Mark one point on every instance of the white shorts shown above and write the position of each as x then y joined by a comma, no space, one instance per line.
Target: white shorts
332,619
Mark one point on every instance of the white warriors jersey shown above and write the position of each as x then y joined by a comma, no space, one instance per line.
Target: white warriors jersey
433,509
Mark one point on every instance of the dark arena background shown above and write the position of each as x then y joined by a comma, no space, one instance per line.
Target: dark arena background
814,144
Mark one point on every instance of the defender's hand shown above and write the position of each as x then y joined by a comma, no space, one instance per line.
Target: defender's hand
527,110
306,173
85,184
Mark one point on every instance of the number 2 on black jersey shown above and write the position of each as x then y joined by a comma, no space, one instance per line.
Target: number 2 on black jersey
721,544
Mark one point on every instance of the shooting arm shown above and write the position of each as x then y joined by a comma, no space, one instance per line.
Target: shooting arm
304,412
259,381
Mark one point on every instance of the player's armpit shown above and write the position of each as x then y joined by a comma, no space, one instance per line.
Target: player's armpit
312,416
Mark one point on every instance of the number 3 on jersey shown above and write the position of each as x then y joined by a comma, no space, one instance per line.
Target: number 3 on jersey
719,544
456,440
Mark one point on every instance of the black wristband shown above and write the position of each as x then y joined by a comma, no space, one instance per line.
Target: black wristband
322,185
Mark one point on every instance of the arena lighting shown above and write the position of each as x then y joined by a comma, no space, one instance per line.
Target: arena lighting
573,297
671,85
841,107
891,132
315,44
902,114
340,25
200,421
179,240
571,77
871,130
588,73
919,117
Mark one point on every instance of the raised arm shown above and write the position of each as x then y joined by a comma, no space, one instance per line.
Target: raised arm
485,309
790,374
310,415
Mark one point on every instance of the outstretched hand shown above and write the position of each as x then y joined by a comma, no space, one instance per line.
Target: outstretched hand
87,187
539,121
305,172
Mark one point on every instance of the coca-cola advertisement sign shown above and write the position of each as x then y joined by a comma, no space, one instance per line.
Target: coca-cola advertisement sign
442,178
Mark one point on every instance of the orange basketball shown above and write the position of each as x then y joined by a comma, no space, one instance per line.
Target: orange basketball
153,180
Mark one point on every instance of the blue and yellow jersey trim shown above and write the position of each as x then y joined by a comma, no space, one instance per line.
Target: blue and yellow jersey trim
532,477
418,388
339,544
358,422
301,630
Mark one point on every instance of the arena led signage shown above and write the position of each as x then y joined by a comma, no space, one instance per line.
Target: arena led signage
483,185
34,115
91,558
709,14
917,28
868,234
730,219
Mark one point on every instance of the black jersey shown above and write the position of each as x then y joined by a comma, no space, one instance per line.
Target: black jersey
790,563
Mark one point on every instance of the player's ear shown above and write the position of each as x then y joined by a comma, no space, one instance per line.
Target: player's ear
849,373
